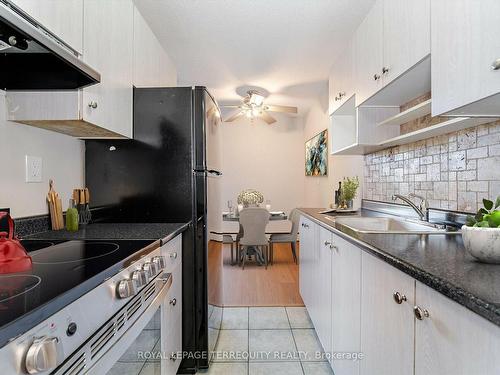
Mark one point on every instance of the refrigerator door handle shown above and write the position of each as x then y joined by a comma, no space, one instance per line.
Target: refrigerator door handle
214,172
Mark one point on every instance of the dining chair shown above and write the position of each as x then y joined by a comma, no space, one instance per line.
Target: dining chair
253,221
290,237
227,239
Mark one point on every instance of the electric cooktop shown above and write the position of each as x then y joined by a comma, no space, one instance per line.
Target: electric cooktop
62,271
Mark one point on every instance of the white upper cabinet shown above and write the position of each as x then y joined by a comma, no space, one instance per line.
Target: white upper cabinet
108,47
340,81
64,18
453,340
368,52
407,37
394,36
465,45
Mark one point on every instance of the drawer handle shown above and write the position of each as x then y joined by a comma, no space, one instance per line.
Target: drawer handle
420,313
496,65
376,77
385,70
173,255
93,104
173,301
399,298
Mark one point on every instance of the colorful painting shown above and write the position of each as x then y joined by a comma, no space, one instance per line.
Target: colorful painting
317,155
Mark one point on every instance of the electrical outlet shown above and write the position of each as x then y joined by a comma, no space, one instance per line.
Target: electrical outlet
33,169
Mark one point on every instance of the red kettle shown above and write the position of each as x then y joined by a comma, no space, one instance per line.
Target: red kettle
13,256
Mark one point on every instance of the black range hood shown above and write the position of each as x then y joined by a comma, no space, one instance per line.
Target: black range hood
32,58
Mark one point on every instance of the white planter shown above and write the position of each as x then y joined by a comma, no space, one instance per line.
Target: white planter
482,243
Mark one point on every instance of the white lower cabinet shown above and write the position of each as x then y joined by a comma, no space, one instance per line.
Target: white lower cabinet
346,305
386,325
323,287
358,303
453,340
308,256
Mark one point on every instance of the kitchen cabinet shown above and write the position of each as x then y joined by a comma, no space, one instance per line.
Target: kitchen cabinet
323,287
108,47
400,325
453,340
64,18
406,36
368,52
308,261
465,48
340,81
394,36
346,304
386,325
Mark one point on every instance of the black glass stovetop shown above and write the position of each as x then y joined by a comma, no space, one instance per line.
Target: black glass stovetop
62,271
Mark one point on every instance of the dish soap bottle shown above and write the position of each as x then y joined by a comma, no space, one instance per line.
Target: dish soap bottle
72,217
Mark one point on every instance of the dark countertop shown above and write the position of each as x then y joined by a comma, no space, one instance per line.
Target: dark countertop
116,231
438,260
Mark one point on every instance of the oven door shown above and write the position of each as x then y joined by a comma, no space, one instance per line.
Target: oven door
129,343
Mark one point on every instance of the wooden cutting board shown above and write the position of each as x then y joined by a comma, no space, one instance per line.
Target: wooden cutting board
55,208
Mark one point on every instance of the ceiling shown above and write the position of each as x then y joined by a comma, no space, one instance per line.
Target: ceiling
284,46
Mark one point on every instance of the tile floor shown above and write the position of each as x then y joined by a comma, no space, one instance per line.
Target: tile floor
267,341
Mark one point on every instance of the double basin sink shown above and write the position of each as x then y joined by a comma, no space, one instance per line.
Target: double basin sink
388,225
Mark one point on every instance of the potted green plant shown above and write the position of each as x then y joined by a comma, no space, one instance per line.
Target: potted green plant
348,192
481,233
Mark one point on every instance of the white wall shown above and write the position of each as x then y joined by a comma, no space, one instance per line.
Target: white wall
319,191
268,158
63,161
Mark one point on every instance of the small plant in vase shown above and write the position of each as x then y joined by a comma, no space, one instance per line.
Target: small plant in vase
481,233
348,192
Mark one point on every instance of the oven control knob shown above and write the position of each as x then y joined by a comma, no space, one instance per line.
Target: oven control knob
160,262
140,278
150,269
126,288
44,354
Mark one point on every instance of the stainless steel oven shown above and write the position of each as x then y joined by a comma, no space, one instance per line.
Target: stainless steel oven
129,324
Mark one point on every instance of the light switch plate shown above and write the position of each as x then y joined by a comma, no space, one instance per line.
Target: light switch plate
33,168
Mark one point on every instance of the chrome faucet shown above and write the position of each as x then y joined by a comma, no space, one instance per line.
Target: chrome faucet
422,209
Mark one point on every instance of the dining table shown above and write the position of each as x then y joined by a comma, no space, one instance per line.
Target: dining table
254,250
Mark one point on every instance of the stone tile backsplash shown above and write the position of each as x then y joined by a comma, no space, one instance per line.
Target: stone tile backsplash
453,171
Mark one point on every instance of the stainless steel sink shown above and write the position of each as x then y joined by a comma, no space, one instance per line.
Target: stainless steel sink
389,225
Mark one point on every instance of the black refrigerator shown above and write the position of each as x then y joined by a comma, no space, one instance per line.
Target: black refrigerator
165,174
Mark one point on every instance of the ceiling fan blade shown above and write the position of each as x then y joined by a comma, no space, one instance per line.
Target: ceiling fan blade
234,117
281,108
267,118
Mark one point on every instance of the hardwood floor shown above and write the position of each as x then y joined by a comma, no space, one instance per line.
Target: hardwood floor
254,286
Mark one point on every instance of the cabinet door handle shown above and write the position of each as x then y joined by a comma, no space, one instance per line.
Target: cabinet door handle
420,313
93,104
496,65
173,255
333,247
376,77
173,301
399,298
385,70
327,243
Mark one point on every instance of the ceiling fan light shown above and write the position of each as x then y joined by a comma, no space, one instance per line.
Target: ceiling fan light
256,111
256,99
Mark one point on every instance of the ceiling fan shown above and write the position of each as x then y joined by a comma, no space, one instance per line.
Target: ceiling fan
253,106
